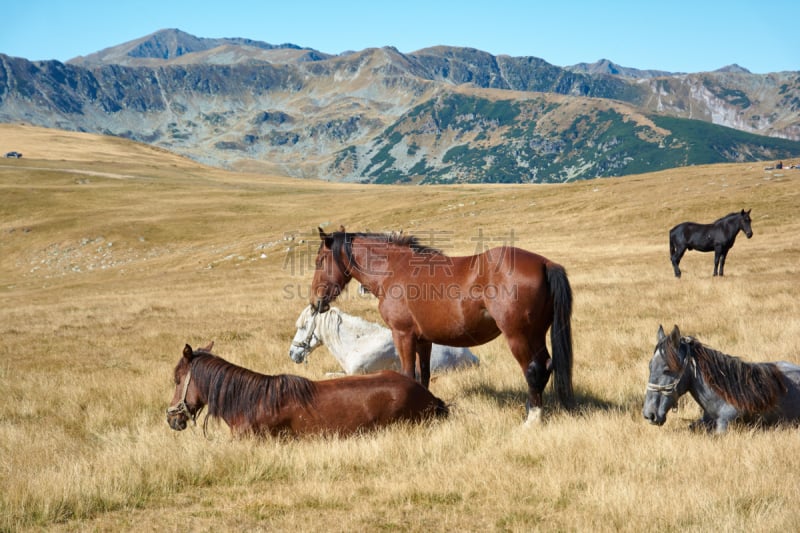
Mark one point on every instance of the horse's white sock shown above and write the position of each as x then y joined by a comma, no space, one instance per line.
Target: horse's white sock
534,416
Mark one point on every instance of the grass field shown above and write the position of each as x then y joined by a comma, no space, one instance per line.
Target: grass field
114,255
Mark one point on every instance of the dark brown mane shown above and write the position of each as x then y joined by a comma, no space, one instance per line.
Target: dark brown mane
343,241
233,391
671,356
751,387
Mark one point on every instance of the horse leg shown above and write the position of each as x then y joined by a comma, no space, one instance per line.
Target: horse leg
722,258
534,359
537,375
424,360
704,424
676,257
405,343
717,257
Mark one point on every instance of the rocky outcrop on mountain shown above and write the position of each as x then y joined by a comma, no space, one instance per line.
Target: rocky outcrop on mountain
440,114
766,104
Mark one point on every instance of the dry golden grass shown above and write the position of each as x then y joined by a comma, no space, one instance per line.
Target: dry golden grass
113,255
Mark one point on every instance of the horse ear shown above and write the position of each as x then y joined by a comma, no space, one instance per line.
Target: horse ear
188,352
675,336
661,334
206,348
327,238
748,211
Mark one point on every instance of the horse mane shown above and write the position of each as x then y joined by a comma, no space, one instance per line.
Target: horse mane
728,216
233,391
343,241
304,316
672,356
750,387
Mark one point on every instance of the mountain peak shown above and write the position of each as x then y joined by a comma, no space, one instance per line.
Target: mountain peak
608,67
734,68
166,45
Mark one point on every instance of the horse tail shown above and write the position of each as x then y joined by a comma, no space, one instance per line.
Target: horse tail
441,409
436,408
561,333
672,244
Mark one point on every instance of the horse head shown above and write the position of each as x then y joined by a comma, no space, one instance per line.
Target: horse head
667,376
305,339
745,223
186,402
330,274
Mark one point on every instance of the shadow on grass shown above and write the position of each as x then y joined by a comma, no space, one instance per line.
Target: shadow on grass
585,403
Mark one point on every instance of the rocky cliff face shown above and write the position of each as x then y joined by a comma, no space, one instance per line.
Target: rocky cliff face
438,115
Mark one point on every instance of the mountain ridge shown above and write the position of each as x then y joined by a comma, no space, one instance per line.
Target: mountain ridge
240,103
167,45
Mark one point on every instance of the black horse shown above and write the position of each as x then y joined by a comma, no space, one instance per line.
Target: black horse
718,236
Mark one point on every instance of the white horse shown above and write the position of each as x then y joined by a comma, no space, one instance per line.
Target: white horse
362,347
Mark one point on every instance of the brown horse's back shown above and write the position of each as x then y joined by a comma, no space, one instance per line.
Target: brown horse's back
468,300
352,403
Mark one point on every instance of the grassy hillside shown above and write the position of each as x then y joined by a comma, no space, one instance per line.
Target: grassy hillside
114,255
501,137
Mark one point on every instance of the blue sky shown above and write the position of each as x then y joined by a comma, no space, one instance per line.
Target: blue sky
677,36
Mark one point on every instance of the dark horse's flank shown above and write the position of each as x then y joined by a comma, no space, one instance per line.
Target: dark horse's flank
718,237
257,404
428,297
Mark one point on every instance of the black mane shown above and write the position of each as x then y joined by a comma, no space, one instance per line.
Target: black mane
343,241
727,217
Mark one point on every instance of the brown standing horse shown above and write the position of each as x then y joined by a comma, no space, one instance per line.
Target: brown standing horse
427,297
253,403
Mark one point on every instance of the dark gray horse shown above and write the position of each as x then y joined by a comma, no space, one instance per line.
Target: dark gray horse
718,236
726,387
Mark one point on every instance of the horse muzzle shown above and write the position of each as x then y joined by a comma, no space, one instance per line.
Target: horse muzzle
297,353
323,305
177,422
179,415
653,417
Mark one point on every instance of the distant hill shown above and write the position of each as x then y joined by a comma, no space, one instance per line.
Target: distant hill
437,115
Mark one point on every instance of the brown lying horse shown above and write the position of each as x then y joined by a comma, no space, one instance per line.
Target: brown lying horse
427,297
253,403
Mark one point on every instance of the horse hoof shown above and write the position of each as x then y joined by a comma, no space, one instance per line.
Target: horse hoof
534,417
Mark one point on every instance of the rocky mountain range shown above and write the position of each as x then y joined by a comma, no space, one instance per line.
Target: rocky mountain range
437,115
